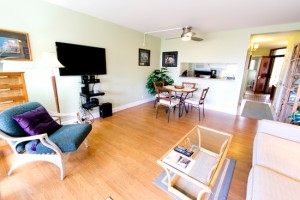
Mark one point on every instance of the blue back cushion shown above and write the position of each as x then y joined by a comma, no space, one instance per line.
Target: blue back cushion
8,125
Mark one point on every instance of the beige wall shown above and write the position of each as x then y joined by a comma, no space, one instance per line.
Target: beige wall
124,83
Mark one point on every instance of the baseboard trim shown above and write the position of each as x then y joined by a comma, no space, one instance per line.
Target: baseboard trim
136,103
221,109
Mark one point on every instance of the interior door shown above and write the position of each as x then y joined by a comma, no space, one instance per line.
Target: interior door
262,75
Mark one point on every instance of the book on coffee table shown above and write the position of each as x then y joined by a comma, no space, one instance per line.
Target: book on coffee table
179,161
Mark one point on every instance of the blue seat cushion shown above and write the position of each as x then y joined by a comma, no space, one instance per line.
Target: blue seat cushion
68,138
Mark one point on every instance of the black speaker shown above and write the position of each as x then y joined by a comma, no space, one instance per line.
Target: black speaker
105,110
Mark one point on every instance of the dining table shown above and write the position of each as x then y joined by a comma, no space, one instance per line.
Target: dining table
180,89
185,91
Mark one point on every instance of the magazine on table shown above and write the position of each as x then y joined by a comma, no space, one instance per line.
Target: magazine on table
179,161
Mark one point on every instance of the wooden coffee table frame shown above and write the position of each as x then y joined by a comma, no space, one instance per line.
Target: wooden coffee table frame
205,187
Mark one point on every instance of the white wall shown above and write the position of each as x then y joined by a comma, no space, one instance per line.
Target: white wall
45,23
220,47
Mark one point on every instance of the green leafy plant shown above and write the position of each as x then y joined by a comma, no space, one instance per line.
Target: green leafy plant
295,117
158,75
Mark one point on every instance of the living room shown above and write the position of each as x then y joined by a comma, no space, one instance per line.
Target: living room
124,84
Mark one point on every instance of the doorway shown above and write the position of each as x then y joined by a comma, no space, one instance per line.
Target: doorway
266,59
269,45
264,75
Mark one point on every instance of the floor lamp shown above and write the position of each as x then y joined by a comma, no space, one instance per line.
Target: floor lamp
50,61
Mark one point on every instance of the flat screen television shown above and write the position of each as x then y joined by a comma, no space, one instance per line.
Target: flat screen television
80,60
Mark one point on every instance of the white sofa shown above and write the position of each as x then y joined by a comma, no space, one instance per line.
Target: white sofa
275,173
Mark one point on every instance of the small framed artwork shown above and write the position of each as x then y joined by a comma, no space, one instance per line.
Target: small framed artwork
144,57
169,59
14,45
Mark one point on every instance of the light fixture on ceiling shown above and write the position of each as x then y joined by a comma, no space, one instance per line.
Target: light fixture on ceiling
187,33
185,38
254,47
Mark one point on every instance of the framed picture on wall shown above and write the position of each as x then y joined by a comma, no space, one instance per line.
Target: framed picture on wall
144,57
14,45
169,59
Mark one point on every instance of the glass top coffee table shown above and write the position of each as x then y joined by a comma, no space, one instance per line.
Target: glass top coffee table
194,163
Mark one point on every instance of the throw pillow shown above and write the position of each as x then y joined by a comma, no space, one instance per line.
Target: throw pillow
36,122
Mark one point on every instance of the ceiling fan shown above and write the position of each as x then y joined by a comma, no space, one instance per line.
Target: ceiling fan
187,35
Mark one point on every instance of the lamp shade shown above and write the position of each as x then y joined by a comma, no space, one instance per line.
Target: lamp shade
49,60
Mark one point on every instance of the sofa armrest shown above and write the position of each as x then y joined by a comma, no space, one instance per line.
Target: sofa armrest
279,129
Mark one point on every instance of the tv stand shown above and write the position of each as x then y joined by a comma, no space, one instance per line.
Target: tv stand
87,94
91,94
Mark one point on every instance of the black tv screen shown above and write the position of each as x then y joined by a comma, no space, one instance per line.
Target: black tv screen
80,59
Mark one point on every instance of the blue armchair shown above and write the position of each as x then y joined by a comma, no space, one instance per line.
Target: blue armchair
43,146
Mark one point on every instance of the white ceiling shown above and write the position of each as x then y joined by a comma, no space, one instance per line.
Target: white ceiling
204,16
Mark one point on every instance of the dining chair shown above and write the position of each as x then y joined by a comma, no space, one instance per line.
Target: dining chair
196,102
169,102
158,84
186,85
189,85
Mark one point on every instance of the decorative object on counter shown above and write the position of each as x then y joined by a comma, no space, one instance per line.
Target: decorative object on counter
184,73
169,59
230,77
14,45
144,57
158,75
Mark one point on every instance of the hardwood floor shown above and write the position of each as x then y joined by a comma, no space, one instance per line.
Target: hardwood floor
121,158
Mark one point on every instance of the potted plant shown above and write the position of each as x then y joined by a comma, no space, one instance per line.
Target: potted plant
295,117
158,75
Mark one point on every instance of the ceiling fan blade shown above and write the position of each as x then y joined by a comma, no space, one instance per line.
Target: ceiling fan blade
187,35
172,38
196,39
